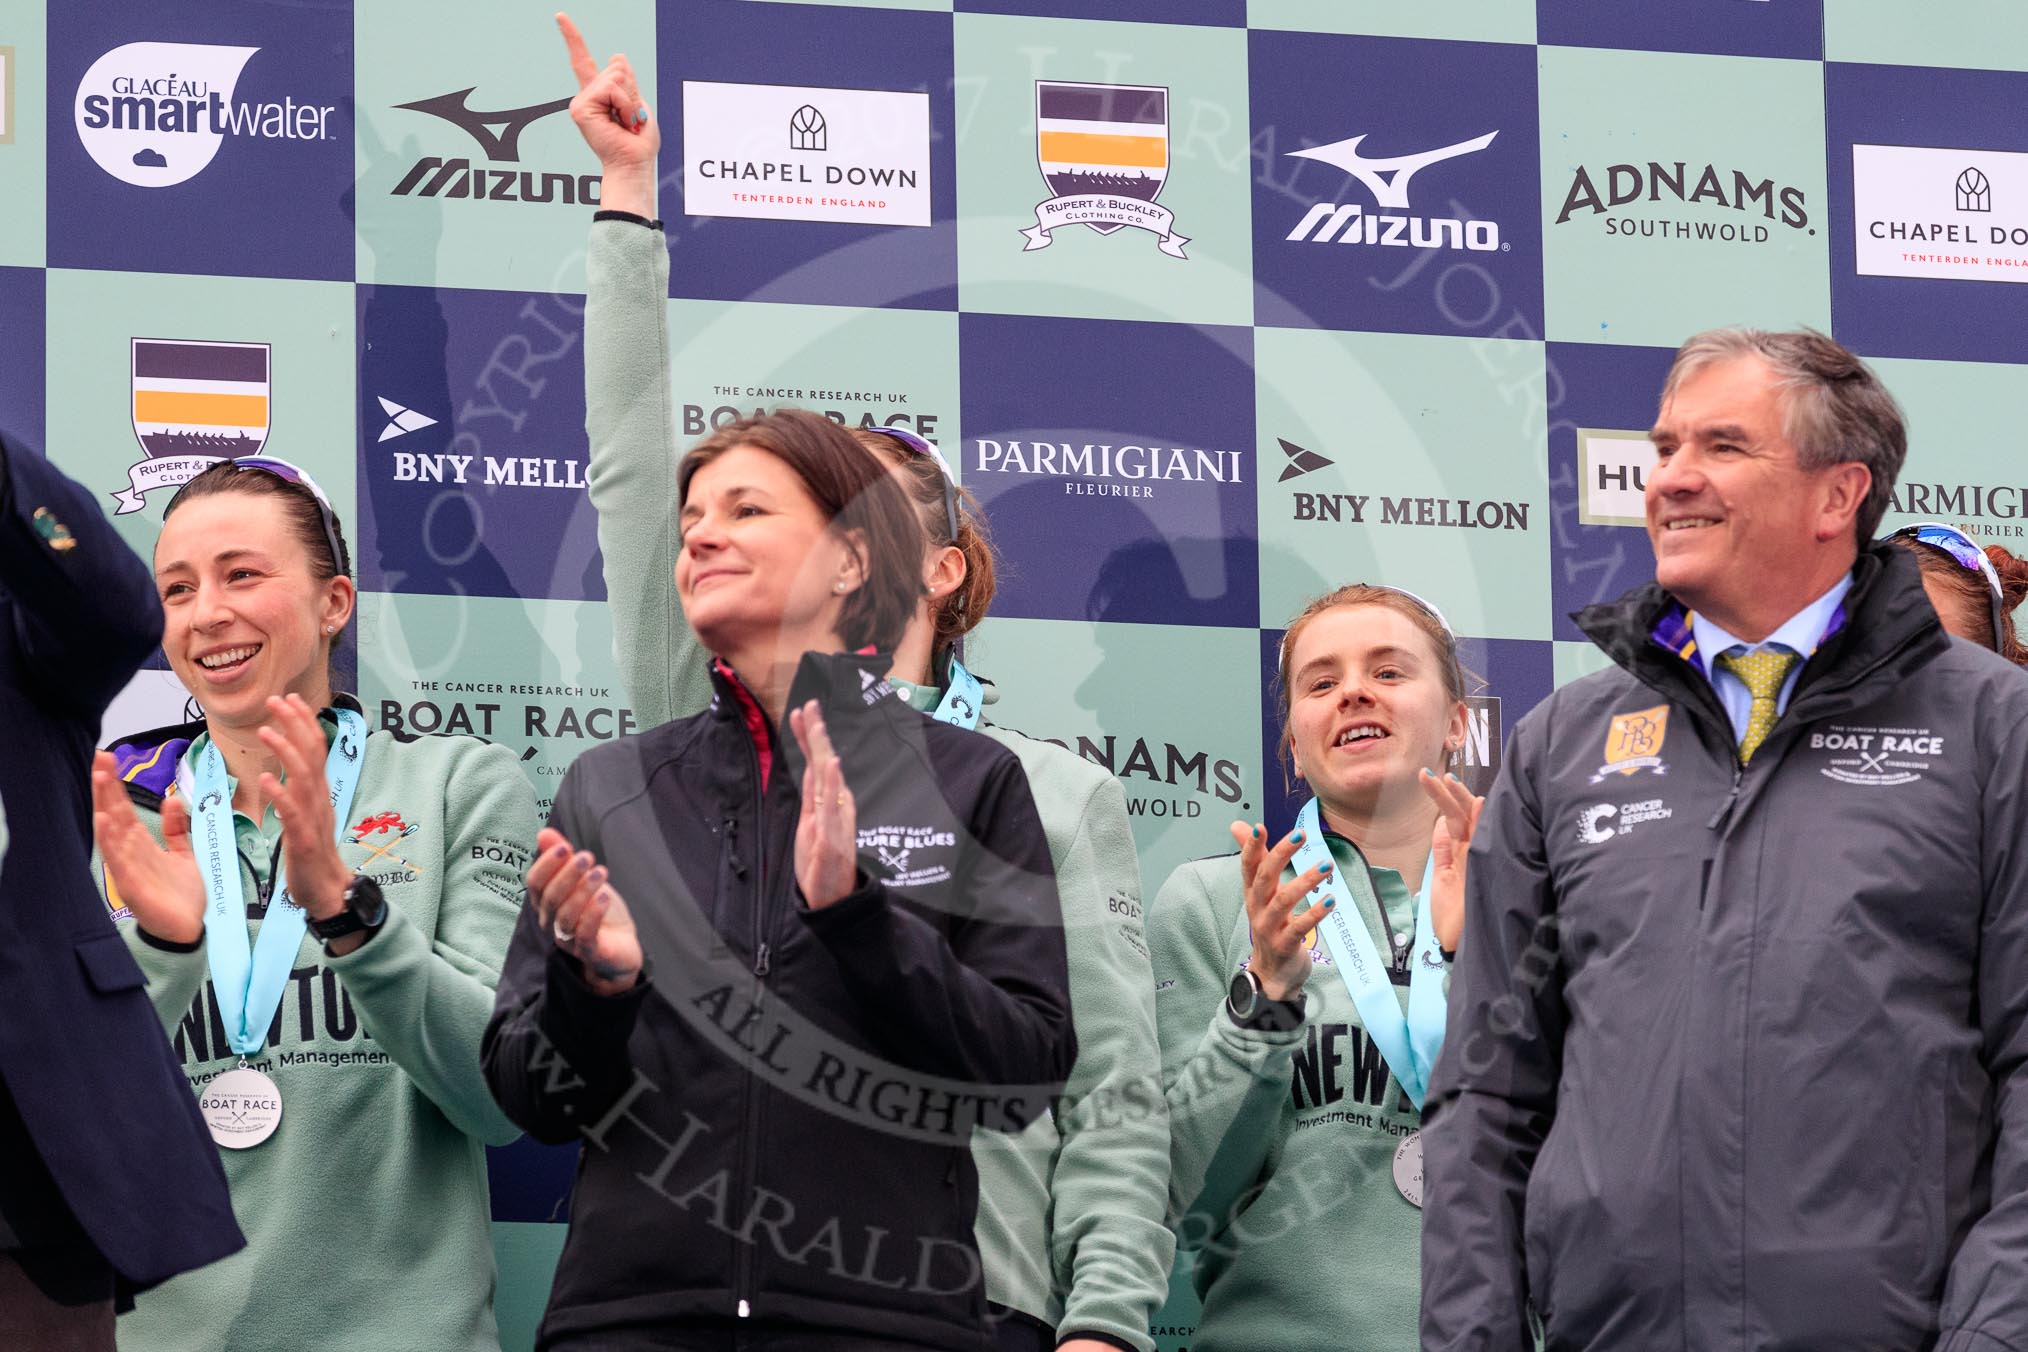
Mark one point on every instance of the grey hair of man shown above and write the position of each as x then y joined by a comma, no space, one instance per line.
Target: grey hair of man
1834,409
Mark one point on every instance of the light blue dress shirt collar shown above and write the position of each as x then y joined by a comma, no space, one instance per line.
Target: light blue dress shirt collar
1800,633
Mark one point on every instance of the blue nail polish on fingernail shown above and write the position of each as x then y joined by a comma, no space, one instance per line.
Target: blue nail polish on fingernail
1324,867
1329,902
1297,837
640,116
1256,833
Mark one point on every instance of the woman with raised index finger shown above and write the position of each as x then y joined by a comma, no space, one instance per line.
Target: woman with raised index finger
1070,1222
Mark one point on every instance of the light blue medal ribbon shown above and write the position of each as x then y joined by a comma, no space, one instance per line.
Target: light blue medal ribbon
250,978
1410,1041
964,698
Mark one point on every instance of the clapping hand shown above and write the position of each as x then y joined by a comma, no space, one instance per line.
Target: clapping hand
827,837
1457,817
159,884
1281,955
585,915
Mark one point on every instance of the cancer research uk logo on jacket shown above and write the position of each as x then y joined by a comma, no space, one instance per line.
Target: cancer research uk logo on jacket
796,153
154,114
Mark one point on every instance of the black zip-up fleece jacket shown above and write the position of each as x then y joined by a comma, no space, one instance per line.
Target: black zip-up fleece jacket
1738,1055
777,1119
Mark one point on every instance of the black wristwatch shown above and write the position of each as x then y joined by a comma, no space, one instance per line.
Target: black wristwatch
1249,1008
365,909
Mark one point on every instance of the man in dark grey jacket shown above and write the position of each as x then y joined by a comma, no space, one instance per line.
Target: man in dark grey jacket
1738,1050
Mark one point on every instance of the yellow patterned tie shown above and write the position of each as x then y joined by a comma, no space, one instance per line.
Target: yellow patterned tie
1762,673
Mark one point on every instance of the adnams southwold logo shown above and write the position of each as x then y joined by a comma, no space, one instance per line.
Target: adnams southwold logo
154,114
1727,199
497,136
1374,508
794,153
1390,219
1923,211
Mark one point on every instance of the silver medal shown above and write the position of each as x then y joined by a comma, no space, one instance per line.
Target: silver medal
243,1107
1408,1168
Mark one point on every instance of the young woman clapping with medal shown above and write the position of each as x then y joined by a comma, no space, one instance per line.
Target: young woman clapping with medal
1300,992
321,915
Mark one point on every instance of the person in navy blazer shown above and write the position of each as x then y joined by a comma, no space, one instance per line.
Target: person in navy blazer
109,1181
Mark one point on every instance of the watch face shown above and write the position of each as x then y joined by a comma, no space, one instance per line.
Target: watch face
365,900
1242,994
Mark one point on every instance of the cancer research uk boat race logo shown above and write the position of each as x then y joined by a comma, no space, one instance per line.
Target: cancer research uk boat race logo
1104,151
194,403
154,114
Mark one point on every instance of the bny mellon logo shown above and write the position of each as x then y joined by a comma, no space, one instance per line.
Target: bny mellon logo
1301,462
401,421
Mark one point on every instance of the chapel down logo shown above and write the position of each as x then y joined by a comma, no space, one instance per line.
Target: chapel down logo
1388,180
154,114
1104,151
194,402
1930,211
802,153
1634,743
498,137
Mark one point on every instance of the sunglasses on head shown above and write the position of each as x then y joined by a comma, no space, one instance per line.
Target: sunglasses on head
1417,601
920,447
1965,550
327,516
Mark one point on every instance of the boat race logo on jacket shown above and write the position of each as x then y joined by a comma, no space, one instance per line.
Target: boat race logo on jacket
193,402
1104,151
154,114
906,855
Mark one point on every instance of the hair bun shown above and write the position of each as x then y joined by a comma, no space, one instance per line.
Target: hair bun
2013,571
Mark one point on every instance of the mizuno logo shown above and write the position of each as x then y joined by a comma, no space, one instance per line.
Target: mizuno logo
1387,179
503,144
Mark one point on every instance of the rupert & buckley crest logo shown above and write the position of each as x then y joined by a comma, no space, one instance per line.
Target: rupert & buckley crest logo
1104,151
194,402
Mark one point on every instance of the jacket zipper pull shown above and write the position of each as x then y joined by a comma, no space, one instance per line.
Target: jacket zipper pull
732,845
760,961
1725,808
